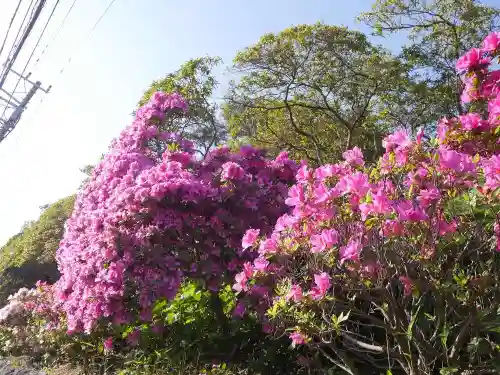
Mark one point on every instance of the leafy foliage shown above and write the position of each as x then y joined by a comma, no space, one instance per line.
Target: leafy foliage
30,255
196,82
439,31
314,90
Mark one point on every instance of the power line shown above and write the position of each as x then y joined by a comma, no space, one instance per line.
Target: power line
70,58
32,52
10,26
89,33
14,44
25,35
55,35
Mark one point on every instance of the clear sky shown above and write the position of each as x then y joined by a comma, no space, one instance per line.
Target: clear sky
90,102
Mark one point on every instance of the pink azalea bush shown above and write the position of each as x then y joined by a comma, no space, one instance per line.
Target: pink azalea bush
152,215
30,323
380,262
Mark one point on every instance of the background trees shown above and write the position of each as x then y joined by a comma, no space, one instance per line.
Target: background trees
439,32
195,81
313,90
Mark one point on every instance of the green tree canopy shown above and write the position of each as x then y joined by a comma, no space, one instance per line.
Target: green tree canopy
313,90
439,32
194,80
29,256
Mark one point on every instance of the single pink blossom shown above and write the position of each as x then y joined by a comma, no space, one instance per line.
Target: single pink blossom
322,282
428,196
108,344
407,211
407,284
297,338
295,293
249,238
351,251
471,60
261,264
304,174
296,195
492,42
323,241
268,246
398,139
232,171
354,157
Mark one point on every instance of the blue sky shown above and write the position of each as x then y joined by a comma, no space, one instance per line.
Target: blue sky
90,102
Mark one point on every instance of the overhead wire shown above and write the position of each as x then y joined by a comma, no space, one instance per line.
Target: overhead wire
56,34
83,40
15,46
10,27
88,34
32,53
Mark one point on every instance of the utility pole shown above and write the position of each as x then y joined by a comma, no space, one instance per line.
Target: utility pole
15,106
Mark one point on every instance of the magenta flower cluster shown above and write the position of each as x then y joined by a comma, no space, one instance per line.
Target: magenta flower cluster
344,210
149,218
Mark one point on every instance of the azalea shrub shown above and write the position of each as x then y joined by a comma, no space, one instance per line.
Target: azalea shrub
152,215
30,324
393,267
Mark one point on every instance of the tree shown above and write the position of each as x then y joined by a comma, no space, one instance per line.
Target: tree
196,82
313,90
439,31
29,256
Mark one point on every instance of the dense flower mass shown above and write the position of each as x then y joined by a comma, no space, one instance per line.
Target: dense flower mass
153,214
355,231
30,320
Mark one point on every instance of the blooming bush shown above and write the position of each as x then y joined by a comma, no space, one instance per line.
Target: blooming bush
152,215
394,266
29,323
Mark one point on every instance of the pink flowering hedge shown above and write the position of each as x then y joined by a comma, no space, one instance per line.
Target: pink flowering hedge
388,268
393,266
148,219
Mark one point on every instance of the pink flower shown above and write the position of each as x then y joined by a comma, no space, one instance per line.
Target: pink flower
108,344
355,183
232,171
325,240
444,227
297,338
407,211
322,282
284,222
354,157
420,135
458,162
351,251
398,139
267,246
471,60
296,195
407,284
492,42
473,121
295,293
491,169
261,264
323,194
304,174
428,196
249,238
